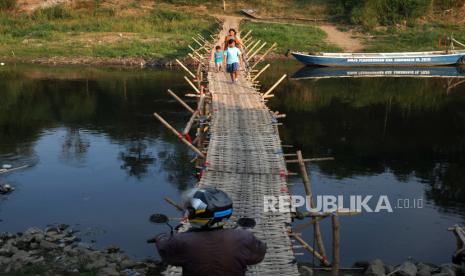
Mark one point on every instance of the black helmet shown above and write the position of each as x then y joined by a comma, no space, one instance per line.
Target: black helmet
207,207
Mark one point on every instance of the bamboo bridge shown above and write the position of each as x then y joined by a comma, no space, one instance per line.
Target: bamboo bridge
239,150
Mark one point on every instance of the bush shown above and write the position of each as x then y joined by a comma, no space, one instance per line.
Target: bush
370,13
7,4
448,4
163,15
54,12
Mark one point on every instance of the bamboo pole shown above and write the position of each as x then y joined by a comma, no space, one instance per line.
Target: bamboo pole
309,192
247,41
255,44
256,52
193,57
183,103
202,38
194,115
336,237
184,140
310,160
311,250
458,42
175,205
195,52
274,86
264,55
196,41
193,85
185,68
247,34
260,72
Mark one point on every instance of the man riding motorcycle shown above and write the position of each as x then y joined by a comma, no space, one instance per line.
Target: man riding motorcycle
208,249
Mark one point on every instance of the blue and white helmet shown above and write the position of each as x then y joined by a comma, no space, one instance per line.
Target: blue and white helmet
207,208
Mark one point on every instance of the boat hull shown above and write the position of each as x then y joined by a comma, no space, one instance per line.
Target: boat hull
381,60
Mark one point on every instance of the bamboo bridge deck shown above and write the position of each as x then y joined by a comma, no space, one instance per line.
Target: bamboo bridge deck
244,158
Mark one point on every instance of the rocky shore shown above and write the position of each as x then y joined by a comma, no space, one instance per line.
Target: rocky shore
58,250
378,268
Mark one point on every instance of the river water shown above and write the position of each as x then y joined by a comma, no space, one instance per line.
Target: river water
100,162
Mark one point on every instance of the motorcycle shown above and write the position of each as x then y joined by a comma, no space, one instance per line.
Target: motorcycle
246,223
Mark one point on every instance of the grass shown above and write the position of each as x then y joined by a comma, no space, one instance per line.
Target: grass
265,8
100,31
288,36
414,38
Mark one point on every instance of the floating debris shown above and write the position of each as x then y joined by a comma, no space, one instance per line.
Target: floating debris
6,189
8,168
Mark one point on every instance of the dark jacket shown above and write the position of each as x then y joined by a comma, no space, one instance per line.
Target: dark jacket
220,252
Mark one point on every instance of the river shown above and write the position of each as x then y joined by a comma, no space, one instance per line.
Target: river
100,162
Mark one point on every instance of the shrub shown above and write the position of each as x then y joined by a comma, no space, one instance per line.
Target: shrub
163,15
54,12
370,13
7,4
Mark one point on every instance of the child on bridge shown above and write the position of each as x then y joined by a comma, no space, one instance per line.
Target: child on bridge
233,59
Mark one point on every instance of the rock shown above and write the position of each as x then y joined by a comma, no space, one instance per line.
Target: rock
305,271
6,189
446,272
363,264
34,245
388,268
4,261
424,272
407,269
127,263
376,268
8,250
449,267
48,245
423,266
109,271
96,264
62,227
20,256
113,249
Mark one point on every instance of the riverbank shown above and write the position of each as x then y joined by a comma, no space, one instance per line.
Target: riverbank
100,32
58,250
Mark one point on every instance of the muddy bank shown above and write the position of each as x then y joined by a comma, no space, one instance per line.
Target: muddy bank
58,250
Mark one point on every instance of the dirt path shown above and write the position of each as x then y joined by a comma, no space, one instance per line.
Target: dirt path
342,39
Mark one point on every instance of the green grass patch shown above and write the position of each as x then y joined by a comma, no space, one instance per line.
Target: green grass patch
417,38
305,38
99,31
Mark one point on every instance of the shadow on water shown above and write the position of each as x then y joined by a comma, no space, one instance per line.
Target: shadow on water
400,137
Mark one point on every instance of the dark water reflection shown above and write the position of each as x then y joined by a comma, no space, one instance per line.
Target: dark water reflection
98,158
401,137
100,161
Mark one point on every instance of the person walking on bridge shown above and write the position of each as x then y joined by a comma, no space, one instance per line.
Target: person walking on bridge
208,249
232,34
234,60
